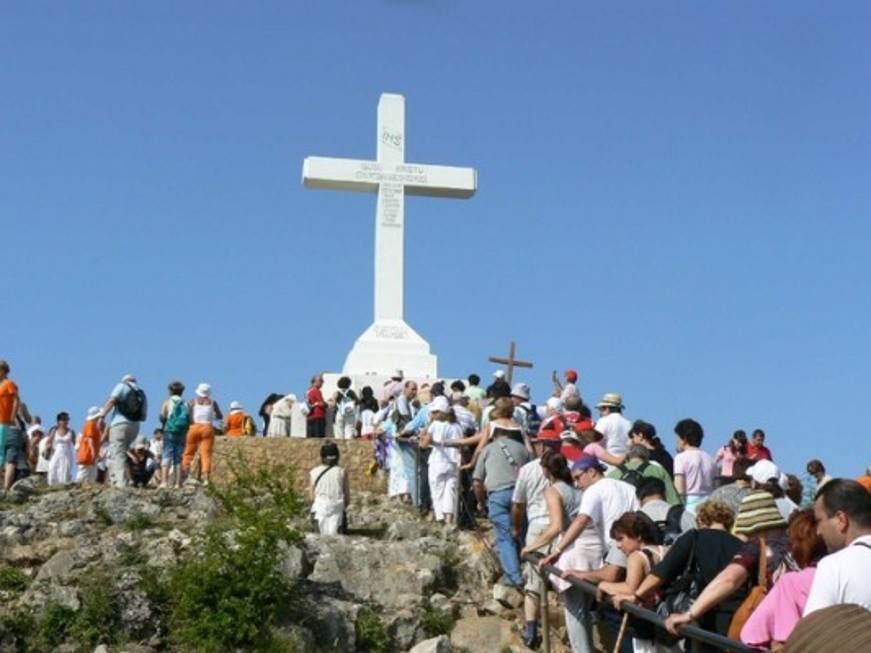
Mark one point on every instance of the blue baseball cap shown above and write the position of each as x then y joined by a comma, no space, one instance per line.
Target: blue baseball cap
587,461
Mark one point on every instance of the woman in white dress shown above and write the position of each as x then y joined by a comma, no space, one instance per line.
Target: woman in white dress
329,491
61,442
443,460
279,418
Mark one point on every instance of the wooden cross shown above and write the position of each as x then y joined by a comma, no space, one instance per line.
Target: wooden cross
510,362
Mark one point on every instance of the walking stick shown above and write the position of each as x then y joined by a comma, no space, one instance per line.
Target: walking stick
622,632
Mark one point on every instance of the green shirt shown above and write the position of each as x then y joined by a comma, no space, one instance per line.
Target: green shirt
653,470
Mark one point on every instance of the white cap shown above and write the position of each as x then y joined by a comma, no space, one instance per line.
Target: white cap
499,374
235,405
440,404
203,390
520,390
763,471
128,378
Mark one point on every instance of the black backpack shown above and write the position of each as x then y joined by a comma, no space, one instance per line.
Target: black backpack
633,476
132,404
671,528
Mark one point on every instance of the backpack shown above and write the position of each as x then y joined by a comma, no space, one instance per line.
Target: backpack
249,427
671,528
533,420
132,404
179,419
347,405
633,476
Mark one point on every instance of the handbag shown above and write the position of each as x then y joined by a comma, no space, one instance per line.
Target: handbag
754,598
679,597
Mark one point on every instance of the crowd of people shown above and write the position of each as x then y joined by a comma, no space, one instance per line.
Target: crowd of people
728,541
111,447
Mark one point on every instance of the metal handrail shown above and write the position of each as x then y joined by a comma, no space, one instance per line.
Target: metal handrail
687,630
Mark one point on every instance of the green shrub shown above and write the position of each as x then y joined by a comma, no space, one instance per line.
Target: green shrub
228,595
370,633
98,620
103,516
139,522
53,627
15,629
13,580
436,622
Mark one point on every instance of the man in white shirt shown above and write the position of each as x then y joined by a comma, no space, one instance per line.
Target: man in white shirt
529,498
604,501
843,513
612,425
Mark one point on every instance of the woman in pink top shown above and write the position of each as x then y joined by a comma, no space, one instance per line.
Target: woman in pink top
774,619
727,455
694,469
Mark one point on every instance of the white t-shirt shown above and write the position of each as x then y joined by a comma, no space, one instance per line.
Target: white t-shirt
331,485
842,577
530,488
569,390
367,421
699,470
605,501
615,431
444,457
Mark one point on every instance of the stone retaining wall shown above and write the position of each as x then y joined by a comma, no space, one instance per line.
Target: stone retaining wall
301,454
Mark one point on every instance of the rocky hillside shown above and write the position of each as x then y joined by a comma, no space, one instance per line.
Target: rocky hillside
87,569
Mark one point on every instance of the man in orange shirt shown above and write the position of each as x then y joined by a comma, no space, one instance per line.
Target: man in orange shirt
8,410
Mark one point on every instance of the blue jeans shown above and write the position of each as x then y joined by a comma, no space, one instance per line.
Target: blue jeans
499,505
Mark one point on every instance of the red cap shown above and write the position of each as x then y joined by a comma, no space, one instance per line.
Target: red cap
571,376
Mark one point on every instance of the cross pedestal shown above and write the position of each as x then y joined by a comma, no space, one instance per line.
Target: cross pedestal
390,343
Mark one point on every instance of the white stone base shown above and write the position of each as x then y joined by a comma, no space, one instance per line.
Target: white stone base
390,345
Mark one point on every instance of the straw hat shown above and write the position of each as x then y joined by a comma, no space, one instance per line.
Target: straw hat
758,512
837,629
203,390
611,400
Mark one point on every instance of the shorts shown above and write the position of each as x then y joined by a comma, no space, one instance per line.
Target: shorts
4,430
173,448
14,449
532,579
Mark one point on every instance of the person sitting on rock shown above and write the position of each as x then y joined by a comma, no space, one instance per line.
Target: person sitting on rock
329,491
138,458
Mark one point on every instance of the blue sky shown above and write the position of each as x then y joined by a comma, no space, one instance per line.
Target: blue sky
674,199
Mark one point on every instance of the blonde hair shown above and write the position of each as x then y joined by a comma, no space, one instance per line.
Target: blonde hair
715,512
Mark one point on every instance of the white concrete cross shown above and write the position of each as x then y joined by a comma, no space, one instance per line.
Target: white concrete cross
392,178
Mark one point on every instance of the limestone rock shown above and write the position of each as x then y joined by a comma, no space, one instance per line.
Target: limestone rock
440,644
22,490
40,594
508,596
481,634
396,574
58,567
